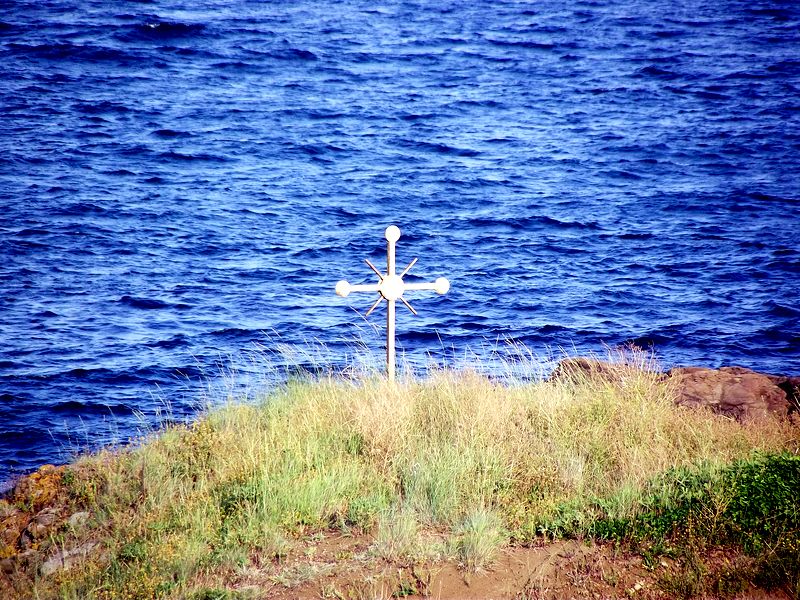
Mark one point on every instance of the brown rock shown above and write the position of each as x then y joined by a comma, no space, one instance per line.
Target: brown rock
736,392
7,566
791,386
35,531
6,510
48,470
39,488
26,558
25,541
11,528
47,517
732,391
78,519
582,369
65,559
42,523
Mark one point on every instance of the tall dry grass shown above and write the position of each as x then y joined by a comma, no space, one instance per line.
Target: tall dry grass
489,461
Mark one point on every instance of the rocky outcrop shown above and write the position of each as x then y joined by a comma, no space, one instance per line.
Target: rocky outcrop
579,368
790,385
735,392
32,515
65,559
731,391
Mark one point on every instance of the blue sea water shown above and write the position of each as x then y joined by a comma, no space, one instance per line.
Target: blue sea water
181,180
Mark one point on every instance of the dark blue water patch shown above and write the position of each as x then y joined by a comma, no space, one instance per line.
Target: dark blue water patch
80,209
177,341
85,53
552,329
775,266
568,224
46,314
237,66
159,31
413,337
435,147
710,95
32,232
777,14
635,236
621,174
470,326
98,108
788,67
25,246
170,133
100,374
235,332
199,157
670,33
418,117
654,71
151,303
319,151
292,54
771,199
180,53
88,409
120,172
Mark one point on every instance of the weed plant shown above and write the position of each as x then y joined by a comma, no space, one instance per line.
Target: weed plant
484,461
750,504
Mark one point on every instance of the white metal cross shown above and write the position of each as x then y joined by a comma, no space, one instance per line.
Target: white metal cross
391,287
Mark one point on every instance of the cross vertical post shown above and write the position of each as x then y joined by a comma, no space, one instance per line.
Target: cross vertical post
391,287
391,235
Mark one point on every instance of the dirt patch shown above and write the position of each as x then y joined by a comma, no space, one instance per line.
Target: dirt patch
342,567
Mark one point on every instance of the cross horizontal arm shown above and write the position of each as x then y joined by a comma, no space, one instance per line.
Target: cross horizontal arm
440,286
365,287
420,286
343,288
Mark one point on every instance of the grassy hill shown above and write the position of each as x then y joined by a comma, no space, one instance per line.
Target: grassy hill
355,488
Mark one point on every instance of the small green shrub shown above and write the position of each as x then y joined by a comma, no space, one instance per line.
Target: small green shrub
752,504
479,539
764,500
397,535
133,551
687,581
214,594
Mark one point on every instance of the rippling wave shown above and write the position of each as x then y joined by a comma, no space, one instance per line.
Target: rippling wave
179,182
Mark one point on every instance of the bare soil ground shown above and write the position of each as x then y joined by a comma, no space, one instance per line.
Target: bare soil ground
346,567
342,567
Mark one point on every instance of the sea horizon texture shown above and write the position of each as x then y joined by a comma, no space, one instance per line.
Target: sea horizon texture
180,181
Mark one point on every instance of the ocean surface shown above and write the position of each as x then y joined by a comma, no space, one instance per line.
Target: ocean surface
183,183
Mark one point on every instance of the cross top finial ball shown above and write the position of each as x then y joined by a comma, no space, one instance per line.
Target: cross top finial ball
392,233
